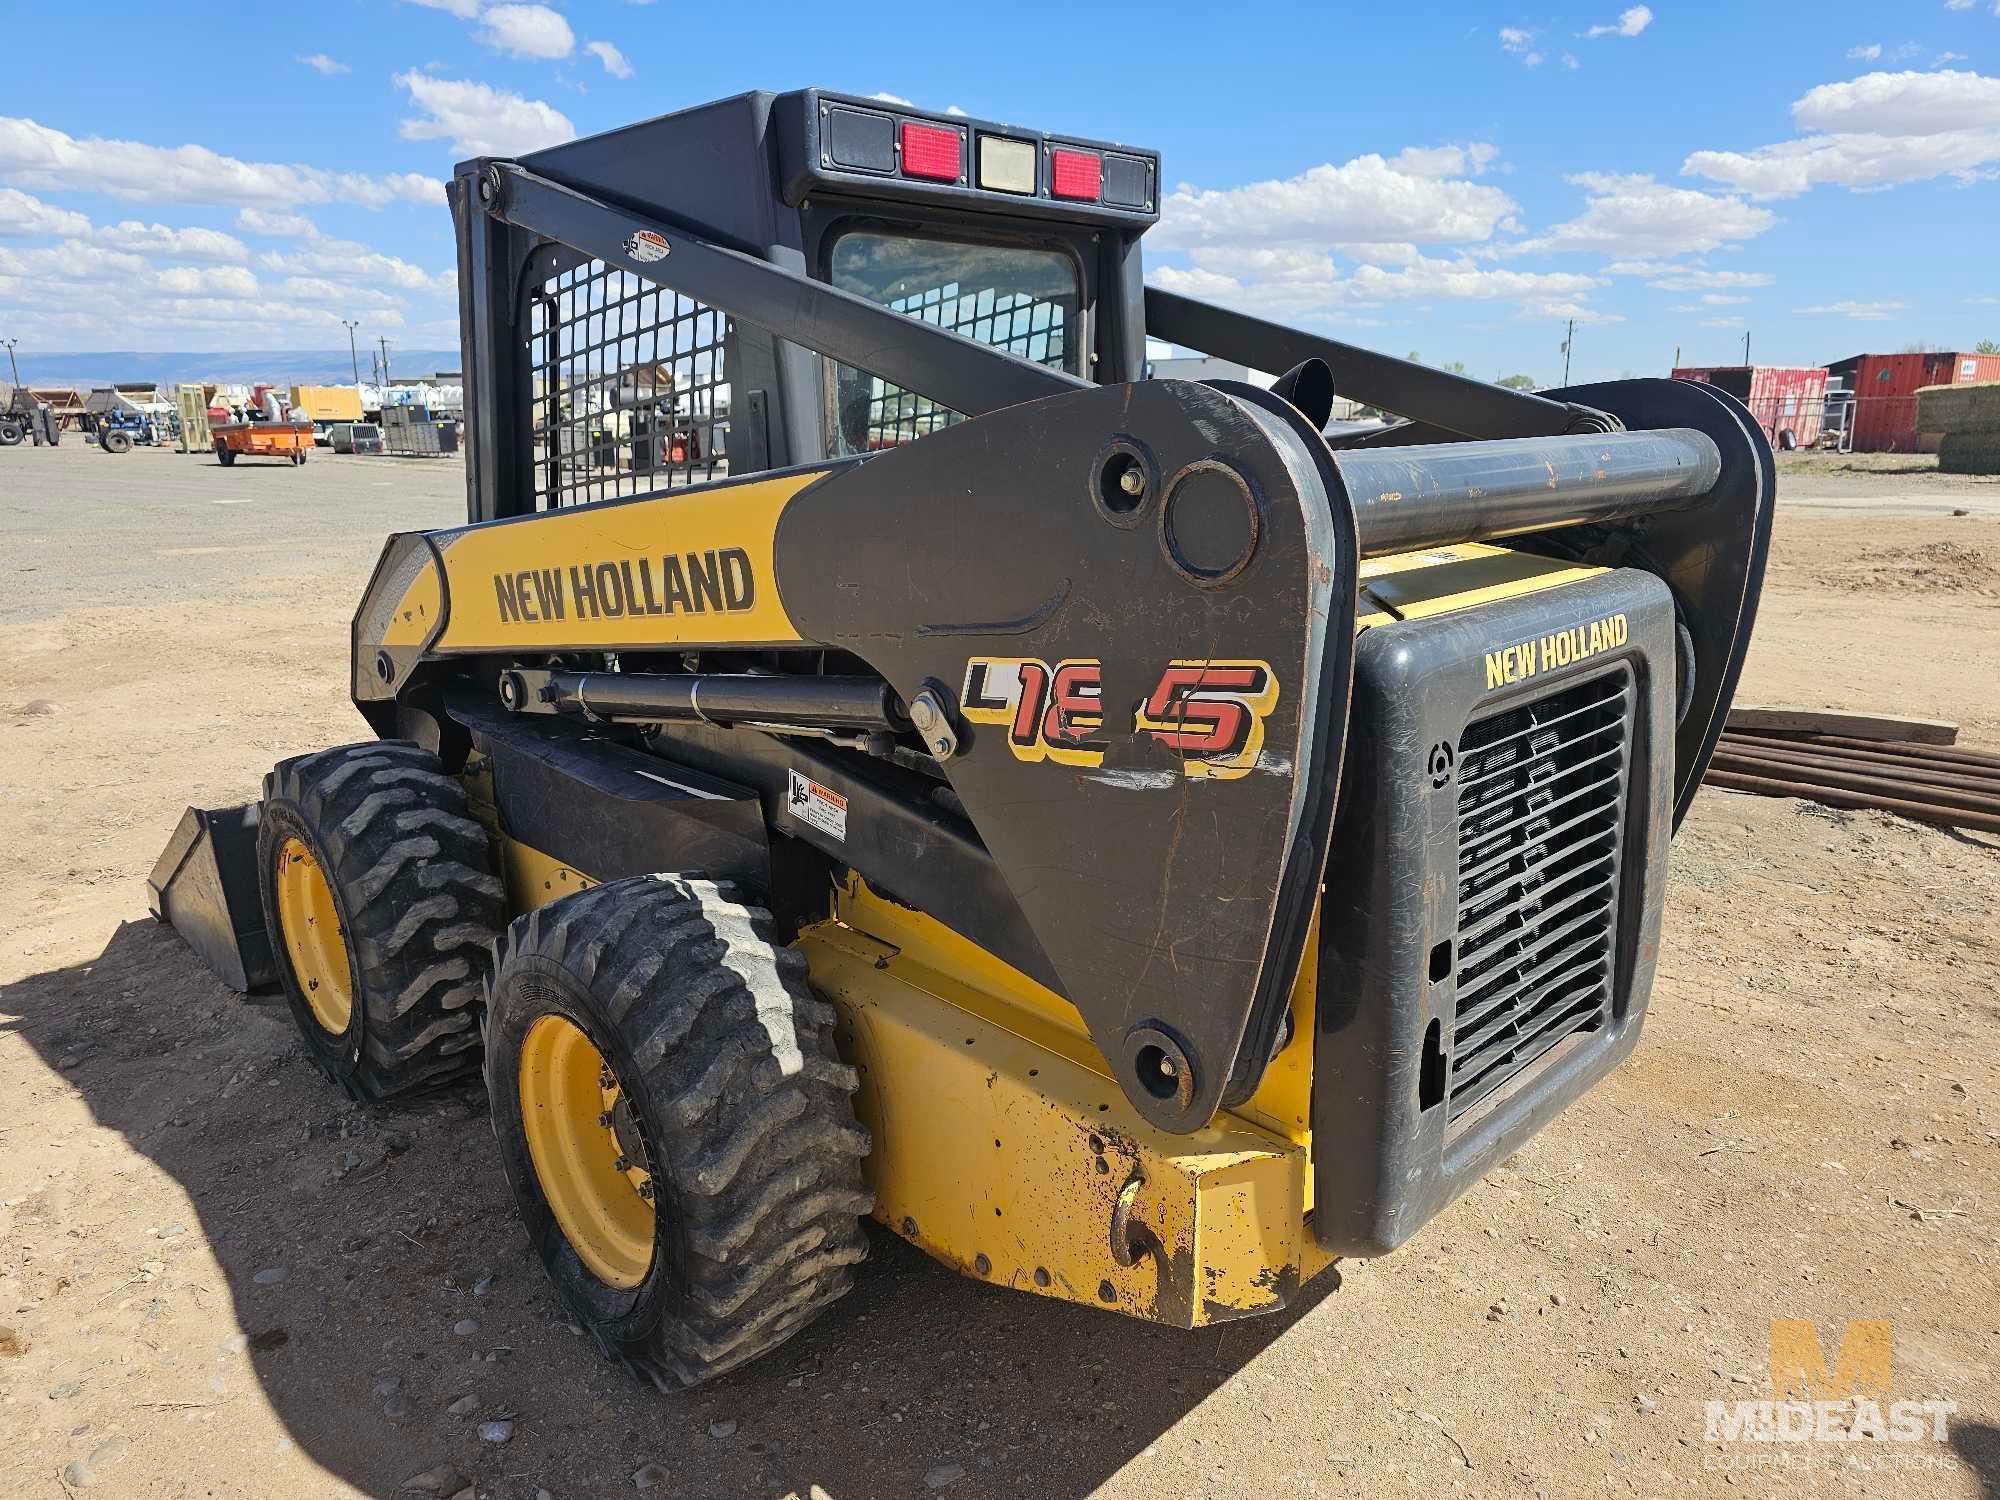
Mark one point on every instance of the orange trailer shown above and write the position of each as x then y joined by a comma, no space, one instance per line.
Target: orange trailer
291,441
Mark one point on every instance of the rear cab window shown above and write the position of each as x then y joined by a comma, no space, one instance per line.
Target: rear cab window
1024,298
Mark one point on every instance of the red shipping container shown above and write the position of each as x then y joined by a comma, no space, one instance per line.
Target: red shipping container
1885,386
1786,400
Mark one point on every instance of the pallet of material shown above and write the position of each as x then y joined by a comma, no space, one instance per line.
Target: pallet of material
1946,785
1968,416
1842,721
1972,407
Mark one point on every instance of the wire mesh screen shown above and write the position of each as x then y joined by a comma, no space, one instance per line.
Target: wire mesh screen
1020,299
628,387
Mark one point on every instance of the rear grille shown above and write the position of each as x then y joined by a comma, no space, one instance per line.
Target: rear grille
628,387
1541,809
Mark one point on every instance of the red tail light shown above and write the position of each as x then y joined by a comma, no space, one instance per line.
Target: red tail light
1076,174
932,152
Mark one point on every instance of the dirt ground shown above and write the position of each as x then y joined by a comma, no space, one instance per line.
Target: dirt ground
219,1279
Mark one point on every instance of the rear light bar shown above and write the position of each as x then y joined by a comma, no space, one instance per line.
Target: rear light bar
860,139
1077,175
932,152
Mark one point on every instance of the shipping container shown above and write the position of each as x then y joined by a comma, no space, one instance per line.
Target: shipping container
1786,400
1884,389
325,404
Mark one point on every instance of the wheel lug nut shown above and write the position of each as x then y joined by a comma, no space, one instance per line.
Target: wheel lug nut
605,1119
646,1190
623,1164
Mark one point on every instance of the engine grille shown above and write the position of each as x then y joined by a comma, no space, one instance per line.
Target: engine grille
1541,810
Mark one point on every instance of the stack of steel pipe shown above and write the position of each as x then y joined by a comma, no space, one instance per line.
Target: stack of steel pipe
1946,785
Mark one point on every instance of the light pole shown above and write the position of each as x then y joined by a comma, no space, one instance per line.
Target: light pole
385,358
353,357
10,343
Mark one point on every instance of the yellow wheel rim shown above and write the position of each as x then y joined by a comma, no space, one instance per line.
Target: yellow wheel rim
313,937
587,1152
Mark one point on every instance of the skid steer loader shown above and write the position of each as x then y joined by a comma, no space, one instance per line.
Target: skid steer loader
869,750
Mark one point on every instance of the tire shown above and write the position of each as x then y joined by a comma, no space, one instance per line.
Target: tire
116,442
225,454
740,1213
10,434
372,845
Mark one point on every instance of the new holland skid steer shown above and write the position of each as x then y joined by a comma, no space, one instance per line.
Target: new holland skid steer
870,750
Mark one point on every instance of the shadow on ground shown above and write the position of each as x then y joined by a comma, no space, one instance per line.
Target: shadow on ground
386,1220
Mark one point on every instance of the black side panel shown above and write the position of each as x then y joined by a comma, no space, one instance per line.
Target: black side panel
908,851
204,886
1133,600
612,811
1492,907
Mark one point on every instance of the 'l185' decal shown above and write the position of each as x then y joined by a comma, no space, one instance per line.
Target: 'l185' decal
1211,712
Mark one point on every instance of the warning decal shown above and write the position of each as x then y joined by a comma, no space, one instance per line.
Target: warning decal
818,806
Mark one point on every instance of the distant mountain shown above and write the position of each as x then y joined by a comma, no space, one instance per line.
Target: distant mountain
248,367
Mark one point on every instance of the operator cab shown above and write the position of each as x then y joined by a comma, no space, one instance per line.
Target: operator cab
1015,238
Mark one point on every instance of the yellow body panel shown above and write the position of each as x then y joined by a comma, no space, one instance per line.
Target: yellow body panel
674,570
1008,1160
417,612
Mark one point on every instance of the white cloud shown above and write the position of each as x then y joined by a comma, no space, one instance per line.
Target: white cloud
1382,252
1722,299
225,281
1722,322
1463,280
1445,161
172,244
953,109
35,155
1515,38
1534,59
1958,4
318,289
282,226
1902,103
319,62
1584,316
1635,216
1303,283
1696,278
1570,62
527,31
1367,199
613,60
1869,53
344,260
1629,23
1866,312
1876,131
465,10
26,217
1947,57
479,120
886,97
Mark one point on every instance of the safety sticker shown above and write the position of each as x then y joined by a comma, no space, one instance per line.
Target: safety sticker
647,245
818,806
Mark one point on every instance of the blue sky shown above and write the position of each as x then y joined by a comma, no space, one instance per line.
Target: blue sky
1453,179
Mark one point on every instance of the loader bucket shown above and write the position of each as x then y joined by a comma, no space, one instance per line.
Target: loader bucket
204,886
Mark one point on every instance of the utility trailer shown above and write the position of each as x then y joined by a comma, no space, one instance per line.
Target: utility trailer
1136,849
290,441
